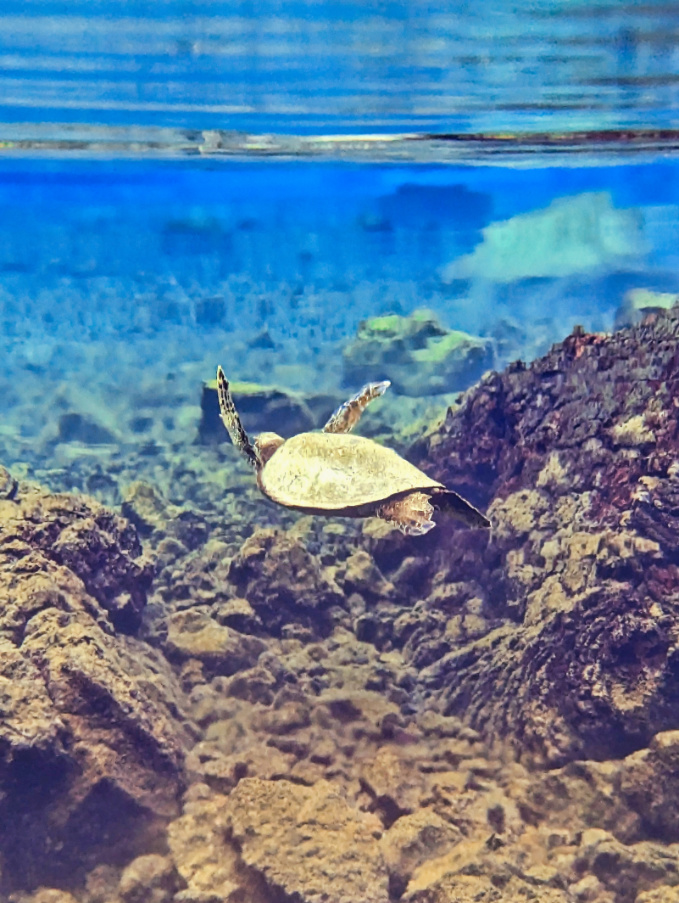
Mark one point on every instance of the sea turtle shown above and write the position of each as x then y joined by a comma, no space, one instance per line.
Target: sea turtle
332,473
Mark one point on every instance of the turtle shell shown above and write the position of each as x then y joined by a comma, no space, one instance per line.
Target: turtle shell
338,472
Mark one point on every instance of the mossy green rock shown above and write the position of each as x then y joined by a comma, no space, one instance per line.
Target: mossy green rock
417,353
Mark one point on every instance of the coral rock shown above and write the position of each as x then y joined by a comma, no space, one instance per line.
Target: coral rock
207,864
576,456
149,879
91,729
283,582
416,353
412,840
627,870
393,782
649,783
222,650
307,842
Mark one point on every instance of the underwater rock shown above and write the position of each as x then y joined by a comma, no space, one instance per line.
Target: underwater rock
582,794
627,870
207,864
156,518
664,894
149,879
577,234
284,583
232,750
638,303
649,785
76,427
92,732
307,842
8,485
200,578
414,839
221,649
99,547
44,895
416,353
350,684
394,784
577,585
464,883
303,713
263,408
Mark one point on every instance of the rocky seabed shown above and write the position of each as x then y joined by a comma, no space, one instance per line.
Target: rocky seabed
193,711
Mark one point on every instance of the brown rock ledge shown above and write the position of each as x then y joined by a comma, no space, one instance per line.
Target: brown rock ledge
91,732
562,635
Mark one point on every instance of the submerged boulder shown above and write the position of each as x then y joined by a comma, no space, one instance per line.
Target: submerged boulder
417,353
301,838
577,587
639,303
264,408
284,583
91,733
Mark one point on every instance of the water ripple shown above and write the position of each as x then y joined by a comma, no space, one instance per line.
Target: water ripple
340,67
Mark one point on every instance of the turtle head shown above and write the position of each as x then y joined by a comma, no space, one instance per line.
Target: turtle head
266,444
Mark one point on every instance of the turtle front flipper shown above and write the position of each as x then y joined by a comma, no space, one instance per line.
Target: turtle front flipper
232,421
348,414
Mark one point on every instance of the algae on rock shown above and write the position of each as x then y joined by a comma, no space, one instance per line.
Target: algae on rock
418,355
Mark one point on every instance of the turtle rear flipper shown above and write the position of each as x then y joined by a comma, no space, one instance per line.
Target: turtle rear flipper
349,413
453,504
411,513
232,421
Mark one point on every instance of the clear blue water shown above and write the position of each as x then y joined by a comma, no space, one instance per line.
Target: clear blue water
188,182
110,237
117,275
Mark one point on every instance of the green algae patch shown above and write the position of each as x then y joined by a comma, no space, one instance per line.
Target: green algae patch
416,353
241,388
386,326
438,350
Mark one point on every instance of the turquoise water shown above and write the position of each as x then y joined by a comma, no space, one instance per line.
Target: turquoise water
109,268
178,179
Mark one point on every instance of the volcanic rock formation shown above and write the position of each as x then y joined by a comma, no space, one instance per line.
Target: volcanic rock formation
577,586
462,716
92,735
